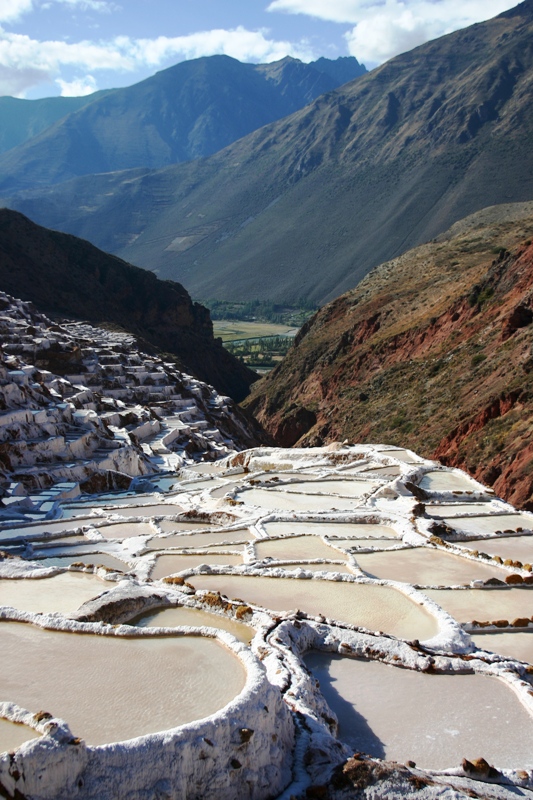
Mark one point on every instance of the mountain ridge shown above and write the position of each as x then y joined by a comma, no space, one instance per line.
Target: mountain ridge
187,111
306,206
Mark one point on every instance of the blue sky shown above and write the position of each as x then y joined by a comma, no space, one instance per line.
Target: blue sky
69,47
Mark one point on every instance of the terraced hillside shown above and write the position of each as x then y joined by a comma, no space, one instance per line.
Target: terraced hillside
433,350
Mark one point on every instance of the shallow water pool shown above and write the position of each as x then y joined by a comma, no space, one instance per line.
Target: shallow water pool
375,607
295,501
65,592
112,688
13,734
484,605
490,524
435,720
196,618
513,645
169,564
296,547
426,566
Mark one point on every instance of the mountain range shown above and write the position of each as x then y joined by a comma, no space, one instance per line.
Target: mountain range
432,351
188,111
68,277
307,205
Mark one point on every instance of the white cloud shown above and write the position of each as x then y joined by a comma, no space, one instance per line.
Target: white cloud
80,87
385,28
20,54
11,10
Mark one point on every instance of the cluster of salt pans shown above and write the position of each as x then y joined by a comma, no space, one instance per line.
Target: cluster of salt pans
304,565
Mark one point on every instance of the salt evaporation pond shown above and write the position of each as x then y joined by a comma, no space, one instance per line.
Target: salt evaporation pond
12,735
518,548
97,559
346,488
126,530
491,524
196,618
441,481
392,471
434,720
43,528
512,645
168,565
170,525
484,605
115,688
457,509
424,566
374,607
65,592
349,530
197,540
295,501
296,547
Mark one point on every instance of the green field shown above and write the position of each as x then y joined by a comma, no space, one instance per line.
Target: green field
234,330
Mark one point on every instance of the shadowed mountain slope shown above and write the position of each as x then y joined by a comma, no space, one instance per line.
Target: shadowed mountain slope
432,351
188,111
21,119
67,276
304,207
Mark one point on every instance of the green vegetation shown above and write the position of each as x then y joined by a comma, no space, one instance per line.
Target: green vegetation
265,352
261,311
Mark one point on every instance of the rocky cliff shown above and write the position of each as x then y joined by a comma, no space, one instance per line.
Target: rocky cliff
67,276
433,351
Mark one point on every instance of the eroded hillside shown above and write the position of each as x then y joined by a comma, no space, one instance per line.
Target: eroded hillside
433,350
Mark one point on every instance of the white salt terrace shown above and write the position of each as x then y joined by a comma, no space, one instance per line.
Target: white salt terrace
373,607
144,684
420,565
434,720
196,618
64,592
154,683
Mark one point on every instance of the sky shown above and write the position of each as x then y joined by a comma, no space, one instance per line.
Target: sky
74,47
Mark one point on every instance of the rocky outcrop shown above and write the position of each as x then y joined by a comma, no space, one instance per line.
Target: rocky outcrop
67,276
433,351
